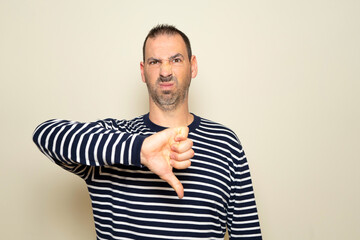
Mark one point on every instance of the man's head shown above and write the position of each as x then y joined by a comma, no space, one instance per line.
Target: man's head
167,67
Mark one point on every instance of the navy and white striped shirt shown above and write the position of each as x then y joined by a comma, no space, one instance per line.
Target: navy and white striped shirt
131,202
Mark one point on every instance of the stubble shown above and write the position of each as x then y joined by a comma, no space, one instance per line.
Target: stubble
168,100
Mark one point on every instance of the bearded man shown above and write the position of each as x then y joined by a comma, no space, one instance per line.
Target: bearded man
129,165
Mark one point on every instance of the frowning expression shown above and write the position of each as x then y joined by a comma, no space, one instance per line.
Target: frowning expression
167,71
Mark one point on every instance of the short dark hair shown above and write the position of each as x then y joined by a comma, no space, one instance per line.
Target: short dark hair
165,29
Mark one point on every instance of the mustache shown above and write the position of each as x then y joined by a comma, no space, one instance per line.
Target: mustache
166,79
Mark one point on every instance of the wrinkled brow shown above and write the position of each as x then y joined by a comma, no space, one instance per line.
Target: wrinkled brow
170,58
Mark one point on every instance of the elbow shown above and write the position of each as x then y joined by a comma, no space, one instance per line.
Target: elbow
37,134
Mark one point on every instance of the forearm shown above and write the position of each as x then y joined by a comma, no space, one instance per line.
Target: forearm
87,143
243,220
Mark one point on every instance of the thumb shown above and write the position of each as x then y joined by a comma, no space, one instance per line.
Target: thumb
171,179
181,133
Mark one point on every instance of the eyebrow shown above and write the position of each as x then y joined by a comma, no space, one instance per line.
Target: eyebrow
172,57
177,55
152,59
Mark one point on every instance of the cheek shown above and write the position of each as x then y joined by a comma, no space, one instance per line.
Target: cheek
152,73
182,70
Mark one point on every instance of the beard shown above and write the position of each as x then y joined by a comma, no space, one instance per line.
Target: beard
168,100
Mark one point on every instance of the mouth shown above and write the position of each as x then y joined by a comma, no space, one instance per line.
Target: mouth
166,85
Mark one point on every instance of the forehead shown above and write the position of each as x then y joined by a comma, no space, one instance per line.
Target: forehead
165,46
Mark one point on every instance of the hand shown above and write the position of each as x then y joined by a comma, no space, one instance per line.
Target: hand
166,149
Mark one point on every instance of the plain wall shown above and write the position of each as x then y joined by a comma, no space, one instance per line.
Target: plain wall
284,75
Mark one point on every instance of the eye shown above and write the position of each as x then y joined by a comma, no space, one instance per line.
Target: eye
153,62
176,60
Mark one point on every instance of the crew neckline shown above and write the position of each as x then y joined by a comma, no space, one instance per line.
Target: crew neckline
157,128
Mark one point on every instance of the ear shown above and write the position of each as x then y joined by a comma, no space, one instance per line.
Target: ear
142,71
194,66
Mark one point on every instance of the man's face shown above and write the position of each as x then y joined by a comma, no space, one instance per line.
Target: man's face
167,71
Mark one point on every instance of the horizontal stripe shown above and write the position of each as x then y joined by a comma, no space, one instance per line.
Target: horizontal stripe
131,202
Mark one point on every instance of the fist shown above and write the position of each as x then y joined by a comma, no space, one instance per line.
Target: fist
165,150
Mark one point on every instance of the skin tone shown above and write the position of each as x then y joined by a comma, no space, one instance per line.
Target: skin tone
167,72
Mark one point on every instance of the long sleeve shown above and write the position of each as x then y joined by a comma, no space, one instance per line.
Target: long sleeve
243,222
78,147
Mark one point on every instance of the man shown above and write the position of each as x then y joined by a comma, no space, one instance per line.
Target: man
128,165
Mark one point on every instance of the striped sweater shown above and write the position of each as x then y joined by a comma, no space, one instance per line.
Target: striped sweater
130,202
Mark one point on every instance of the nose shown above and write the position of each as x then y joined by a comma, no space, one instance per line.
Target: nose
165,69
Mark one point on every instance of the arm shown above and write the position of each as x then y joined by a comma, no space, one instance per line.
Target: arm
78,147
88,144
243,221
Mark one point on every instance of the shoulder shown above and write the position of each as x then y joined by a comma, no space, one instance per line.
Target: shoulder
219,139
214,131
217,128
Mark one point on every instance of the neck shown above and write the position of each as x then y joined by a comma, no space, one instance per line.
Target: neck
175,118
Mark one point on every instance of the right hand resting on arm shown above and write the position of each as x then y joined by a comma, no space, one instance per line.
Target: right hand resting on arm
166,149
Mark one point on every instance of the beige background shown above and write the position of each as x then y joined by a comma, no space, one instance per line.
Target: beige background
284,75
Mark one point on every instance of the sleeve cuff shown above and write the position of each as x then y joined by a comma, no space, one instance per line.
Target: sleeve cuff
136,160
